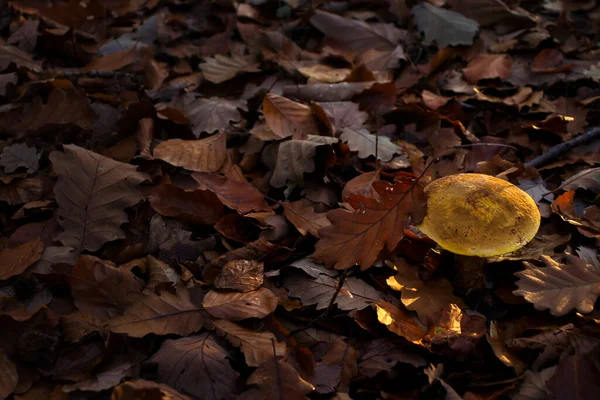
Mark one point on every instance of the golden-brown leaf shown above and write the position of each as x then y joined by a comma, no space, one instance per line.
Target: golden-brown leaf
276,380
141,389
400,322
221,68
287,118
236,306
16,260
302,214
203,155
488,66
241,275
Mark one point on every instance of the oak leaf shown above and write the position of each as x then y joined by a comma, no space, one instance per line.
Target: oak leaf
241,275
143,389
288,118
198,365
586,179
257,347
11,54
276,380
17,259
203,155
162,314
311,268
367,144
445,27
221,68
488,66
239,196
19,155
236,306
362,184
338,115
101,288
357,237
560,287
198,206
354,295
400,322
302,214
92,192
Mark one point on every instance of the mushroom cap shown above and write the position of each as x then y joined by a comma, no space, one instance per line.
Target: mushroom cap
479,215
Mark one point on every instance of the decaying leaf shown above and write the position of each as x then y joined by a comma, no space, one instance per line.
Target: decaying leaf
357,237
92,192
367,144
197,365
301,213
445,27
338,115
221,68
198,206
560,287
108,377
257,347
19,155
488,66
203,155
142,389
586,179
241,275
274,380
400,322
288,118
18,259
235,306
8,376
383,354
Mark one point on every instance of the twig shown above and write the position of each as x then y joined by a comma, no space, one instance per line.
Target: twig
277,373
560,149
484,144
329,307
91,74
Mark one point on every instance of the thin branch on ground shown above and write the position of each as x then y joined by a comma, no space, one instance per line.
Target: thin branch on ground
563,148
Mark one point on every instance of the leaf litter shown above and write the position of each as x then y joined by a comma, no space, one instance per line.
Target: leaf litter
217,200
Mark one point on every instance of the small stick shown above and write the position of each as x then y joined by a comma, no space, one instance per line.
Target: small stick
560,149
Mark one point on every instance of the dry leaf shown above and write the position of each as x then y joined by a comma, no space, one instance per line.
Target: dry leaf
203,155
340,353
239,196
535,385
362,184
162,314
324,73
383,354
311,268
301,213
577,376
501,351
560,287
257,347
197,365
357,237
424,297
92,192
367,144
488,66
142,389
586,179
198,206
400,322
276,380
338,115
19,155
101,288
241,275
8,376
221,68
445,27
17,259
287,118
236,306
107,378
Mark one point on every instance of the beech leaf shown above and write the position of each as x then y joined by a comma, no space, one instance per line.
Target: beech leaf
357,237
236,306
16,260
445,27
203,155
92,192
221,68
197,365
19,155
287,118
257,347
560,287
338,115
366,144
276,380
241,275
301,213
143,389
488,66
198,206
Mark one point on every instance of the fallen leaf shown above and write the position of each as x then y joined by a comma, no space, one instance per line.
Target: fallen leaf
301,213
288,118
221,68
498,345
367,144
235,306
550,61
19,191
340,353
108,377
198,206
434,101
576,376
362,184
257,347
162,314
19,155
324,73
586,179
11,54
276,380
445,27
101,288
17,259
8,376
338,115
142,389
400,322
92,192
535,385
383,354
197,365
560,287
354,295
357,237
241,275
202,155
424,297
239,196
488,66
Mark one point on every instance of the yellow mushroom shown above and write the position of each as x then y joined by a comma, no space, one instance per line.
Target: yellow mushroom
479,215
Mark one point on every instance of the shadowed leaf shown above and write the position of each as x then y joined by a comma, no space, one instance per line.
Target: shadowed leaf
198,206
288,118
276,380
445,27
142,389
19,155
203,155
366,144
235,306
302,214
16,260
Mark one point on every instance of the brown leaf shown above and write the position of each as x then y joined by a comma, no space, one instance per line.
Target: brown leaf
109,376
276,380
241,275
287,118
576,376
141,389
550,61
159,273
239,196
586,179
424,297
18,191
498,345
362,184
16,260
236,306
445,27
488,66
144,136
238,228
301,213
8,376
92,192
342,354
400,322
198,206
79,324
323,72
256,346
560,287
358,237
354,295
63,107
367,144
11,54
114,61
162,314
197,365
221,68
338,115
19,155
434,101
383,354
101,288
203,155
